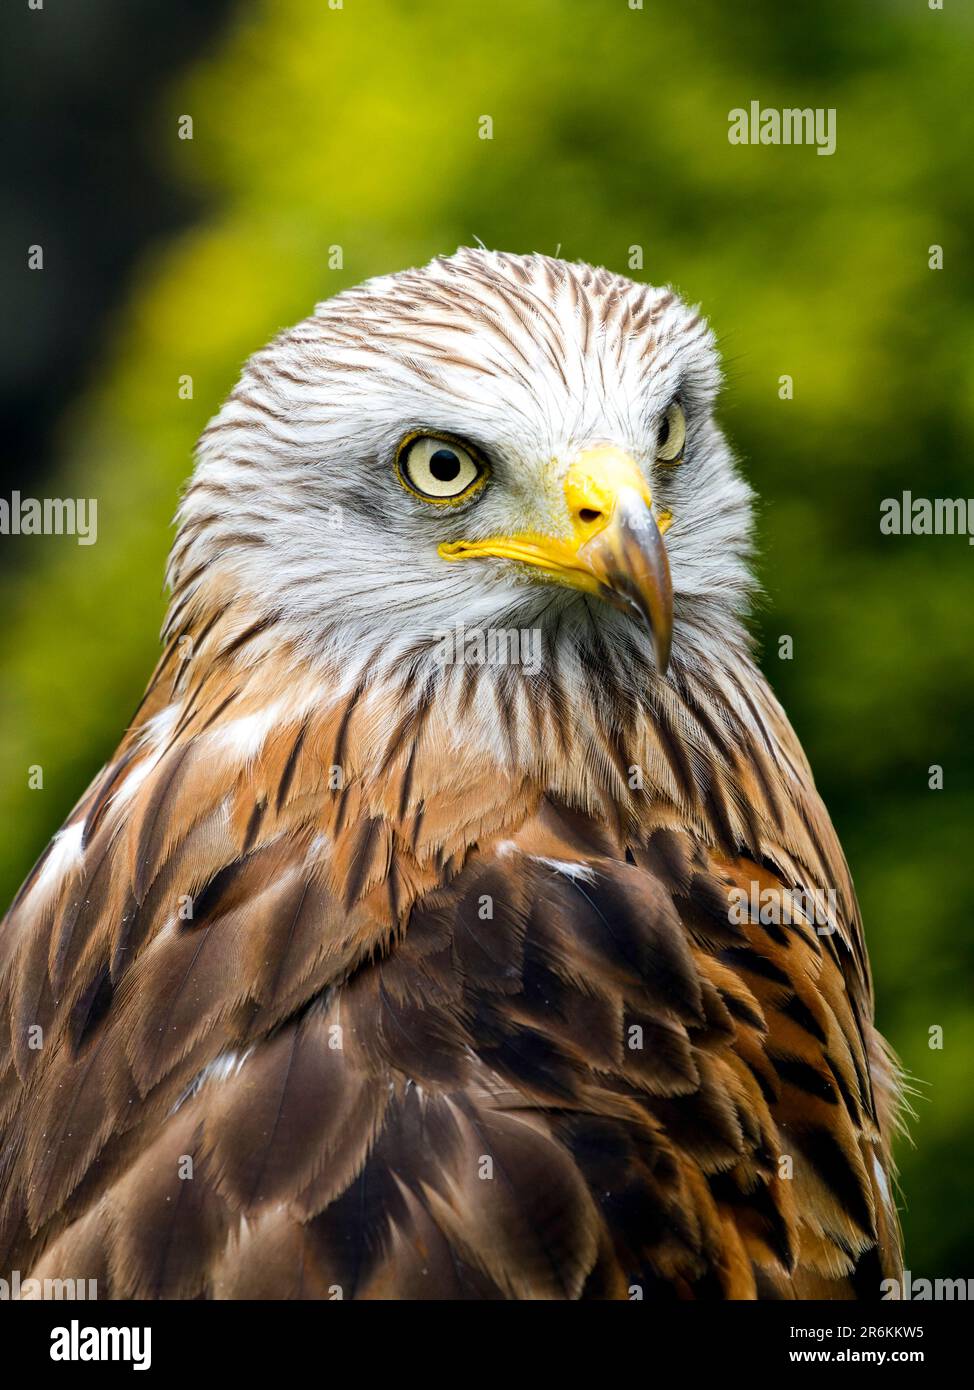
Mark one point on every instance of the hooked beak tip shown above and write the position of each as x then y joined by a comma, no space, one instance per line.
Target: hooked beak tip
629,559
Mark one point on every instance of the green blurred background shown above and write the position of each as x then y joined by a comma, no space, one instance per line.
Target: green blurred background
357,127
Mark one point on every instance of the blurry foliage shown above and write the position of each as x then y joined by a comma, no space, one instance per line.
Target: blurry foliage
358,127
77,82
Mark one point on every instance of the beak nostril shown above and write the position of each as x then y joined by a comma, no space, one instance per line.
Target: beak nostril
589,514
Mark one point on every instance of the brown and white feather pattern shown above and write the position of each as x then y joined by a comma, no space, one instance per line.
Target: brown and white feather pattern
394,1035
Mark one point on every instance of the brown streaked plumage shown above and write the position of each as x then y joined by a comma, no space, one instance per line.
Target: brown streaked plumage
356,975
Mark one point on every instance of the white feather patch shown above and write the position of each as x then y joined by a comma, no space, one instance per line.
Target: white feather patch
222,1068
134,780
882,1183
581,873
243,738
64,856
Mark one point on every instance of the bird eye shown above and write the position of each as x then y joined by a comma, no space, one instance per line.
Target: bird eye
439,469
672,435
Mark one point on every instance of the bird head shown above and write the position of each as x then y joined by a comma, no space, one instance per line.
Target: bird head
490,441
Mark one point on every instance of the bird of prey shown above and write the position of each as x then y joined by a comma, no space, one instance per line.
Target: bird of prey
446,924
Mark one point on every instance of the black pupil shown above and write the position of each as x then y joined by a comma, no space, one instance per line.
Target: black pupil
664,432
445,466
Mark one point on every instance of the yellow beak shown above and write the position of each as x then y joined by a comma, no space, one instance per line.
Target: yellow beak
615,549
